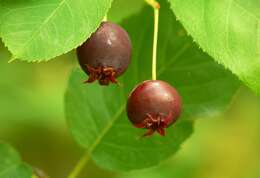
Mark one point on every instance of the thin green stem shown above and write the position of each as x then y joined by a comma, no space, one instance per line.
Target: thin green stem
105,18
156,7
153,3
79,166
155,39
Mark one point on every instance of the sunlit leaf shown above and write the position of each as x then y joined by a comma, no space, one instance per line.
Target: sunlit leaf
228,30
40,30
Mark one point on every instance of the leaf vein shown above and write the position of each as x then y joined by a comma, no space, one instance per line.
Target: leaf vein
36,31
106,129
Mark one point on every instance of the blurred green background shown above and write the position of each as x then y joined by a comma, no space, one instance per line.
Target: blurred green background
32,120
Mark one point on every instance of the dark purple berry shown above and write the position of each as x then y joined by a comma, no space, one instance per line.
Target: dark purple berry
154,105
106,54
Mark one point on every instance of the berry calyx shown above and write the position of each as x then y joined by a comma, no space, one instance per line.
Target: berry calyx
106,54
154,105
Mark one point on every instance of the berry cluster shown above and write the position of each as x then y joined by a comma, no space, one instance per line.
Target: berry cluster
153,104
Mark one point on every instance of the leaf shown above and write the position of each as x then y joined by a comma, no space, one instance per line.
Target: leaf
96,115
11,165
228,30
43,29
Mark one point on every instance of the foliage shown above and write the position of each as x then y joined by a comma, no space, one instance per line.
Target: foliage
228,30
11,165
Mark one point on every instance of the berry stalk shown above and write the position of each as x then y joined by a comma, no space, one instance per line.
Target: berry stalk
105,18
155,38
153,3
156,7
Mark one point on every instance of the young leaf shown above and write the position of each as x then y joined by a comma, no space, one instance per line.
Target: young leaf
228,30
96,115
42,29
11,164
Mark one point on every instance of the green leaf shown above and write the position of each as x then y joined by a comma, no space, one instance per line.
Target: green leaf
96,115
11,165
228,30
40,30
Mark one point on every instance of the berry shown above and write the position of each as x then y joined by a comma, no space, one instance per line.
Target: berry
154,105
106,54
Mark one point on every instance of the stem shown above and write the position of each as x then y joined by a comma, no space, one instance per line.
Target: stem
79,166
105,18
153,3
155,39
156,7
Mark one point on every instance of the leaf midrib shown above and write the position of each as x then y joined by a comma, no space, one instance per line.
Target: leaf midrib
8,169
106,129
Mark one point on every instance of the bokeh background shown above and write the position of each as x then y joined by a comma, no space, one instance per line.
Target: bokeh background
32,120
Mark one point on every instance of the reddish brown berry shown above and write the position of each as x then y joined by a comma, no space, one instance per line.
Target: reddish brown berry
106,54
153,105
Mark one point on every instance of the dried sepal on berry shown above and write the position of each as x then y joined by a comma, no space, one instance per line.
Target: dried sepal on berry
104,75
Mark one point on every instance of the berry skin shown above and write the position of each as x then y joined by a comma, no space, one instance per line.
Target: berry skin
154,105
106,54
